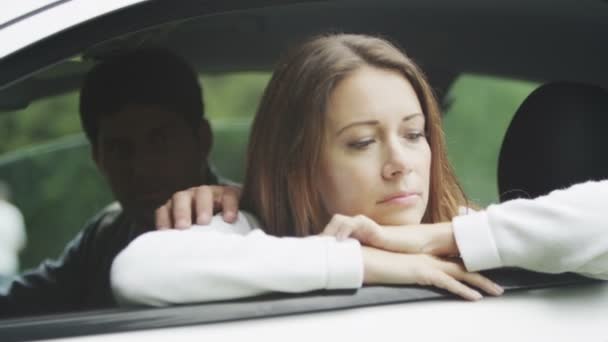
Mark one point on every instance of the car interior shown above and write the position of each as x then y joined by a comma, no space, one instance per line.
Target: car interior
539,152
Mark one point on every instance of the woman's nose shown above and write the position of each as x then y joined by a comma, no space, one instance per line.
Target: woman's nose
395,164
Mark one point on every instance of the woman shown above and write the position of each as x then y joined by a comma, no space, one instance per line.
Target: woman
347,130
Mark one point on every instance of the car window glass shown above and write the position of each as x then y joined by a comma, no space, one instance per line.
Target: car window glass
44,152
479,111
231,100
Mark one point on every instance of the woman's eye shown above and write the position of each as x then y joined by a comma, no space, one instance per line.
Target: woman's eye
360,144
414,136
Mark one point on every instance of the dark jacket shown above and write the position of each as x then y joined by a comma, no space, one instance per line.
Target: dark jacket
80,278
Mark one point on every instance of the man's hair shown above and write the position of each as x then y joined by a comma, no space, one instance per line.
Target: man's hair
151,76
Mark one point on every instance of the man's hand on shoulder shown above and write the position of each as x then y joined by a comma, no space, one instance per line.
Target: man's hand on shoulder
197,205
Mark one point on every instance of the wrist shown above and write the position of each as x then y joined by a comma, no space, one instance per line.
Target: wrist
371,264
440,240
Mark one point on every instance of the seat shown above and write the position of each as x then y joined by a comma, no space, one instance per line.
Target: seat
558,137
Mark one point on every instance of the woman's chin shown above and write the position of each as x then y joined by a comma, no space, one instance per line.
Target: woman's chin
405,217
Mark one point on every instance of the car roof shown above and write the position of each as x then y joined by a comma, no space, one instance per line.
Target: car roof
20,23
541,40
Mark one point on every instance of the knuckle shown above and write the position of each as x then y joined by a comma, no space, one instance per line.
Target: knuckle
203,190
176,196
433,278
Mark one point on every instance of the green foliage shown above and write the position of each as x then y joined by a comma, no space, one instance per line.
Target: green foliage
475,126
233,96
231,102
57,188
41,122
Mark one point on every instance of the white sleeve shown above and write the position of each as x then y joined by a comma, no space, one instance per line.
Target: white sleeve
225,261
564,231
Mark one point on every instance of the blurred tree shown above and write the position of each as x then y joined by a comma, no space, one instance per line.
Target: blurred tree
475,125
41,122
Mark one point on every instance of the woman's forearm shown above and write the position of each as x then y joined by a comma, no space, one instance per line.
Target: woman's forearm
172,267
565,231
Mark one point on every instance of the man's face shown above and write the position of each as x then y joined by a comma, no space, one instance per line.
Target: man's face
148,153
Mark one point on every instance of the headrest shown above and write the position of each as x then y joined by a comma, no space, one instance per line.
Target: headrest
558,137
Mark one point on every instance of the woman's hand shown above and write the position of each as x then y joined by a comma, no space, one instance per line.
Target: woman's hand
383,267
435,239
358,227
197,205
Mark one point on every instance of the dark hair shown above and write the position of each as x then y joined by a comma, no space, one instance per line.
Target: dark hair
152,76
286,137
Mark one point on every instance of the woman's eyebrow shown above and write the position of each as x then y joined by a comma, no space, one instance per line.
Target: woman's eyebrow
411,116
357,123
374,122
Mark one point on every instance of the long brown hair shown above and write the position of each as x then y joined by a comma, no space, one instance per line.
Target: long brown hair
285,144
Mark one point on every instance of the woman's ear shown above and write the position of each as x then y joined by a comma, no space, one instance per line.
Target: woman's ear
206,138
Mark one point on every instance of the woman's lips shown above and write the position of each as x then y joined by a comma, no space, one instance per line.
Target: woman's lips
401,198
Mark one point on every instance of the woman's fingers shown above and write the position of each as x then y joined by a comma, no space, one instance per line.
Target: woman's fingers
444,281
343,227
346,228
334,225
457,270
368,232
357,227
483,283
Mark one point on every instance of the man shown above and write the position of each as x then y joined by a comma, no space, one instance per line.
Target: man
143,116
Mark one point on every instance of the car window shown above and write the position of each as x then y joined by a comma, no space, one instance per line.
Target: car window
231,100
479,110
44,150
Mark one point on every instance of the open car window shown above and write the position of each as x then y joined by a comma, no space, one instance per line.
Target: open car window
44,150
479,110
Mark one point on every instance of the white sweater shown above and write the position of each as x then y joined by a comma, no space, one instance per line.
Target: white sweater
225,261
564,231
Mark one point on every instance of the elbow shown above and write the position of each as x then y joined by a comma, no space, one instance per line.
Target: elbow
130,277
125,280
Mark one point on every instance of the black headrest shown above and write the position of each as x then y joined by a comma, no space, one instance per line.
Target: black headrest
558,137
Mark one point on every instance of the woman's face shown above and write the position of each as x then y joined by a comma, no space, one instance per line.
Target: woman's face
375,160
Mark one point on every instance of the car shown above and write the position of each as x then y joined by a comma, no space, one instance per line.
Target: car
47,46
